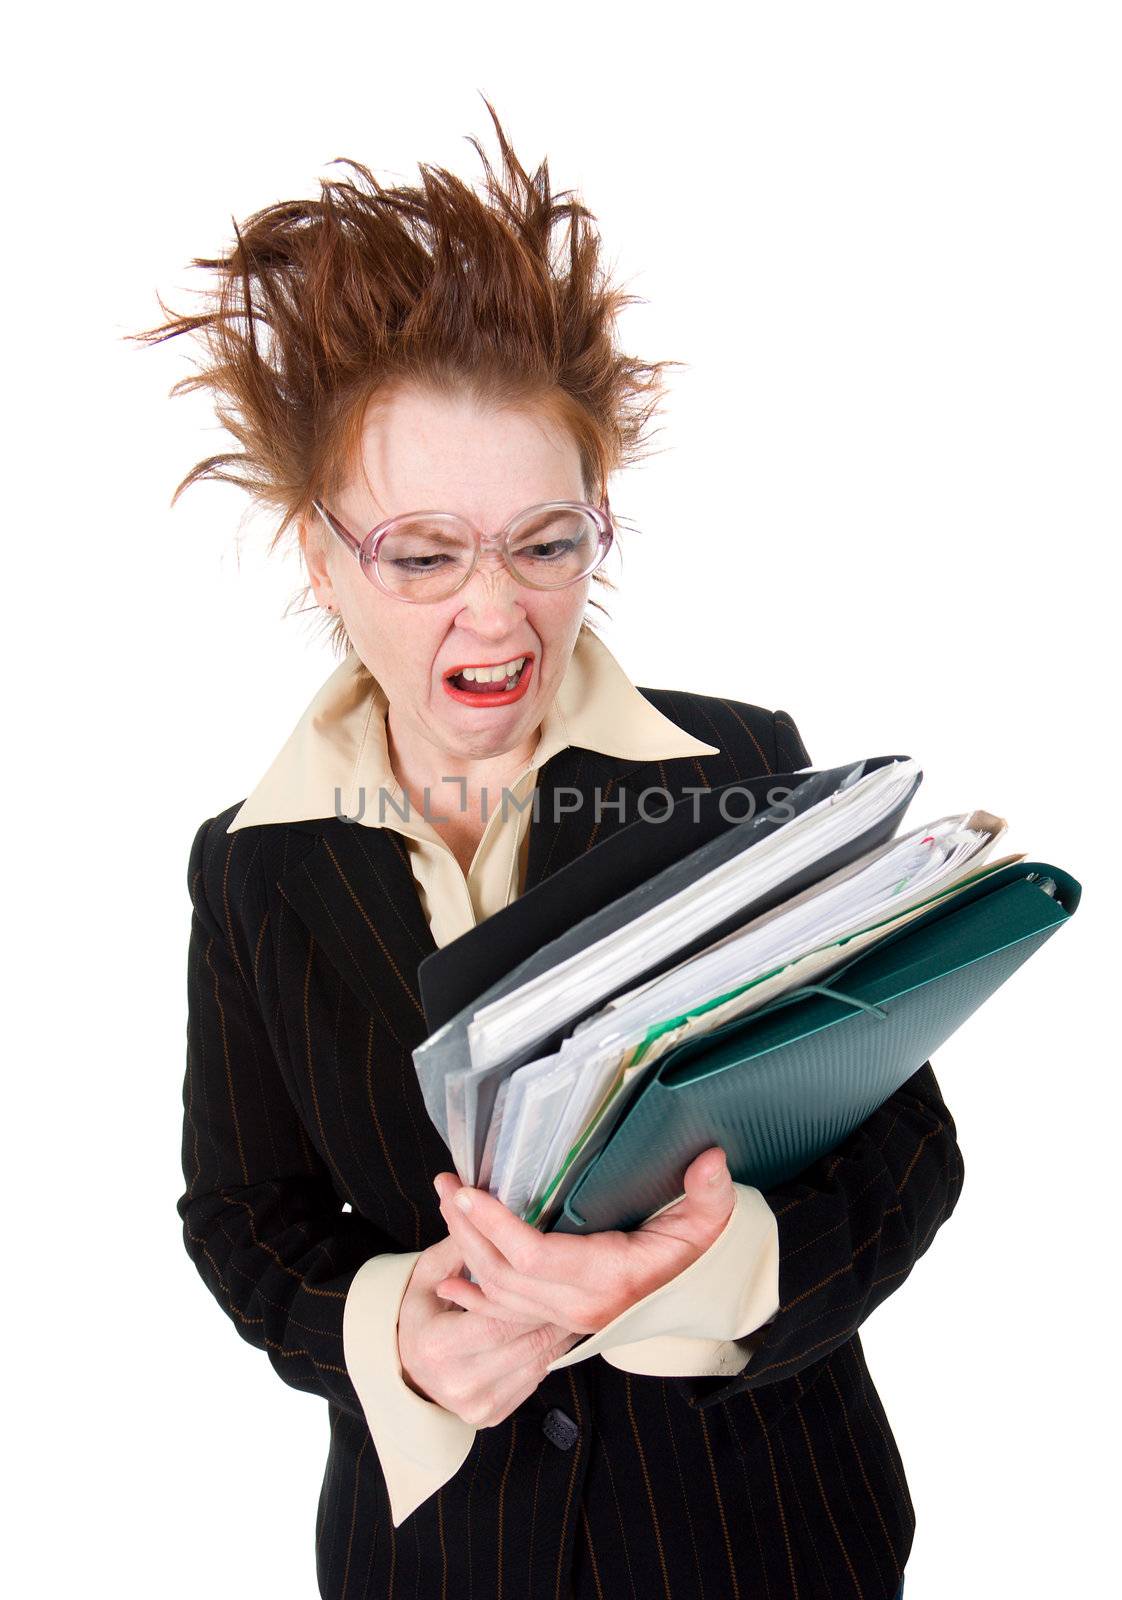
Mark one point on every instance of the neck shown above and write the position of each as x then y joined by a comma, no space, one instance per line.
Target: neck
456,787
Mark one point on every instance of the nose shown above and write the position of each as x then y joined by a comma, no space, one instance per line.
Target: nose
491,600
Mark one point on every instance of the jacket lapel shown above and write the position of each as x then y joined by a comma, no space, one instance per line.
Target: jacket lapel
355,893
566,823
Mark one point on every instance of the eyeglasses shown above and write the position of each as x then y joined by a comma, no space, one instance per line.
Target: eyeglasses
424,556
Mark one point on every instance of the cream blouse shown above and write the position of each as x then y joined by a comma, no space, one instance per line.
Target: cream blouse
336,761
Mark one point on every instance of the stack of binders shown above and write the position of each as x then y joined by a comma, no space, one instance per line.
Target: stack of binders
762,976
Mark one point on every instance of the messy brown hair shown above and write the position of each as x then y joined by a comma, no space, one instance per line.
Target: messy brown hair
323,304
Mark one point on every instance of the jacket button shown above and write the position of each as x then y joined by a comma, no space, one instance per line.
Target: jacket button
560,1429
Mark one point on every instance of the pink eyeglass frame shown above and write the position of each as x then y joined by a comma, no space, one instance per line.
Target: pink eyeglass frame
365,551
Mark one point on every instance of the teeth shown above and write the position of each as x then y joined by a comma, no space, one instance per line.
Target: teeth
506,669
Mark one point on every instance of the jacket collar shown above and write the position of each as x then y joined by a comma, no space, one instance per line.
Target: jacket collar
338,751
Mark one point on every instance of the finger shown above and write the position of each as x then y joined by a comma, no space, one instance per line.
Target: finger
505,1287
564,1261
442,1260
468,1334
555,1257
536,1348
709,1199
485,1261
420,1300
707,1180
521,1357
713,1194
511,1386
471,1297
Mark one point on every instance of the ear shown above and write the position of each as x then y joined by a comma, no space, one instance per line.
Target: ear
313,549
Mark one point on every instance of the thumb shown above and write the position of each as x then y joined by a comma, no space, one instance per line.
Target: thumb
708,1182
445,1259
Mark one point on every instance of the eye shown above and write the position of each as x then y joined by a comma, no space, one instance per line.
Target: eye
429,563
548,550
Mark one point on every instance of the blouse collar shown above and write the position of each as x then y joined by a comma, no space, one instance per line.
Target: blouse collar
338,749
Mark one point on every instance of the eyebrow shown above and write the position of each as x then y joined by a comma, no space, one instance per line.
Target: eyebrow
436,534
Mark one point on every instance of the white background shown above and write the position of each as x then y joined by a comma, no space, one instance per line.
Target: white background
885,240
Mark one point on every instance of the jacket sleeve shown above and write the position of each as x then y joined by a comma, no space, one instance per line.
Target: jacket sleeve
854,1223
261,1218
851,1228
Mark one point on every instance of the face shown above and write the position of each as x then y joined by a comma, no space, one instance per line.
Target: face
422,452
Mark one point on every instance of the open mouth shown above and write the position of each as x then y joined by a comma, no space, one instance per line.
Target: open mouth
490,684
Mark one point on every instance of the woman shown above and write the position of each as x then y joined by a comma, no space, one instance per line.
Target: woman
683,1410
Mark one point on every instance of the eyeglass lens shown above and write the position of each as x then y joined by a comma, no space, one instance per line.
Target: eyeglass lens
427,558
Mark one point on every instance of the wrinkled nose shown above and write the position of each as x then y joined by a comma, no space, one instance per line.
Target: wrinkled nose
491,599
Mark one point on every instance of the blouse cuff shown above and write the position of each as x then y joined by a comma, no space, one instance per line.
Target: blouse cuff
420,1445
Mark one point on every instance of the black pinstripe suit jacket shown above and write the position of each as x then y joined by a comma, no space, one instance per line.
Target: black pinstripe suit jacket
300,1097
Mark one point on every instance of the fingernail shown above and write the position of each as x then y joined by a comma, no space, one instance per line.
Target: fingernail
717,1174
463,1200
436,1185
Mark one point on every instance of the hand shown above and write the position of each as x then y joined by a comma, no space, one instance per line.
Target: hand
578,1281
478,1366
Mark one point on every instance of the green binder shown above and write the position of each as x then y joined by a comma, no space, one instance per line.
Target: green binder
787,1083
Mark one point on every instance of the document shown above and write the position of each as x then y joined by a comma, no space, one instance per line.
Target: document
507,1032
555,1106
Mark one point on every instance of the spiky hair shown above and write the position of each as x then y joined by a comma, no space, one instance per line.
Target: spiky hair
322,304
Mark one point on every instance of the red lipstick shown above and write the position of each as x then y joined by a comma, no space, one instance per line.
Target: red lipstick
489,697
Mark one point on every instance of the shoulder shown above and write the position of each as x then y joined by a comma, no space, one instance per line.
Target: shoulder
228,873
741,730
